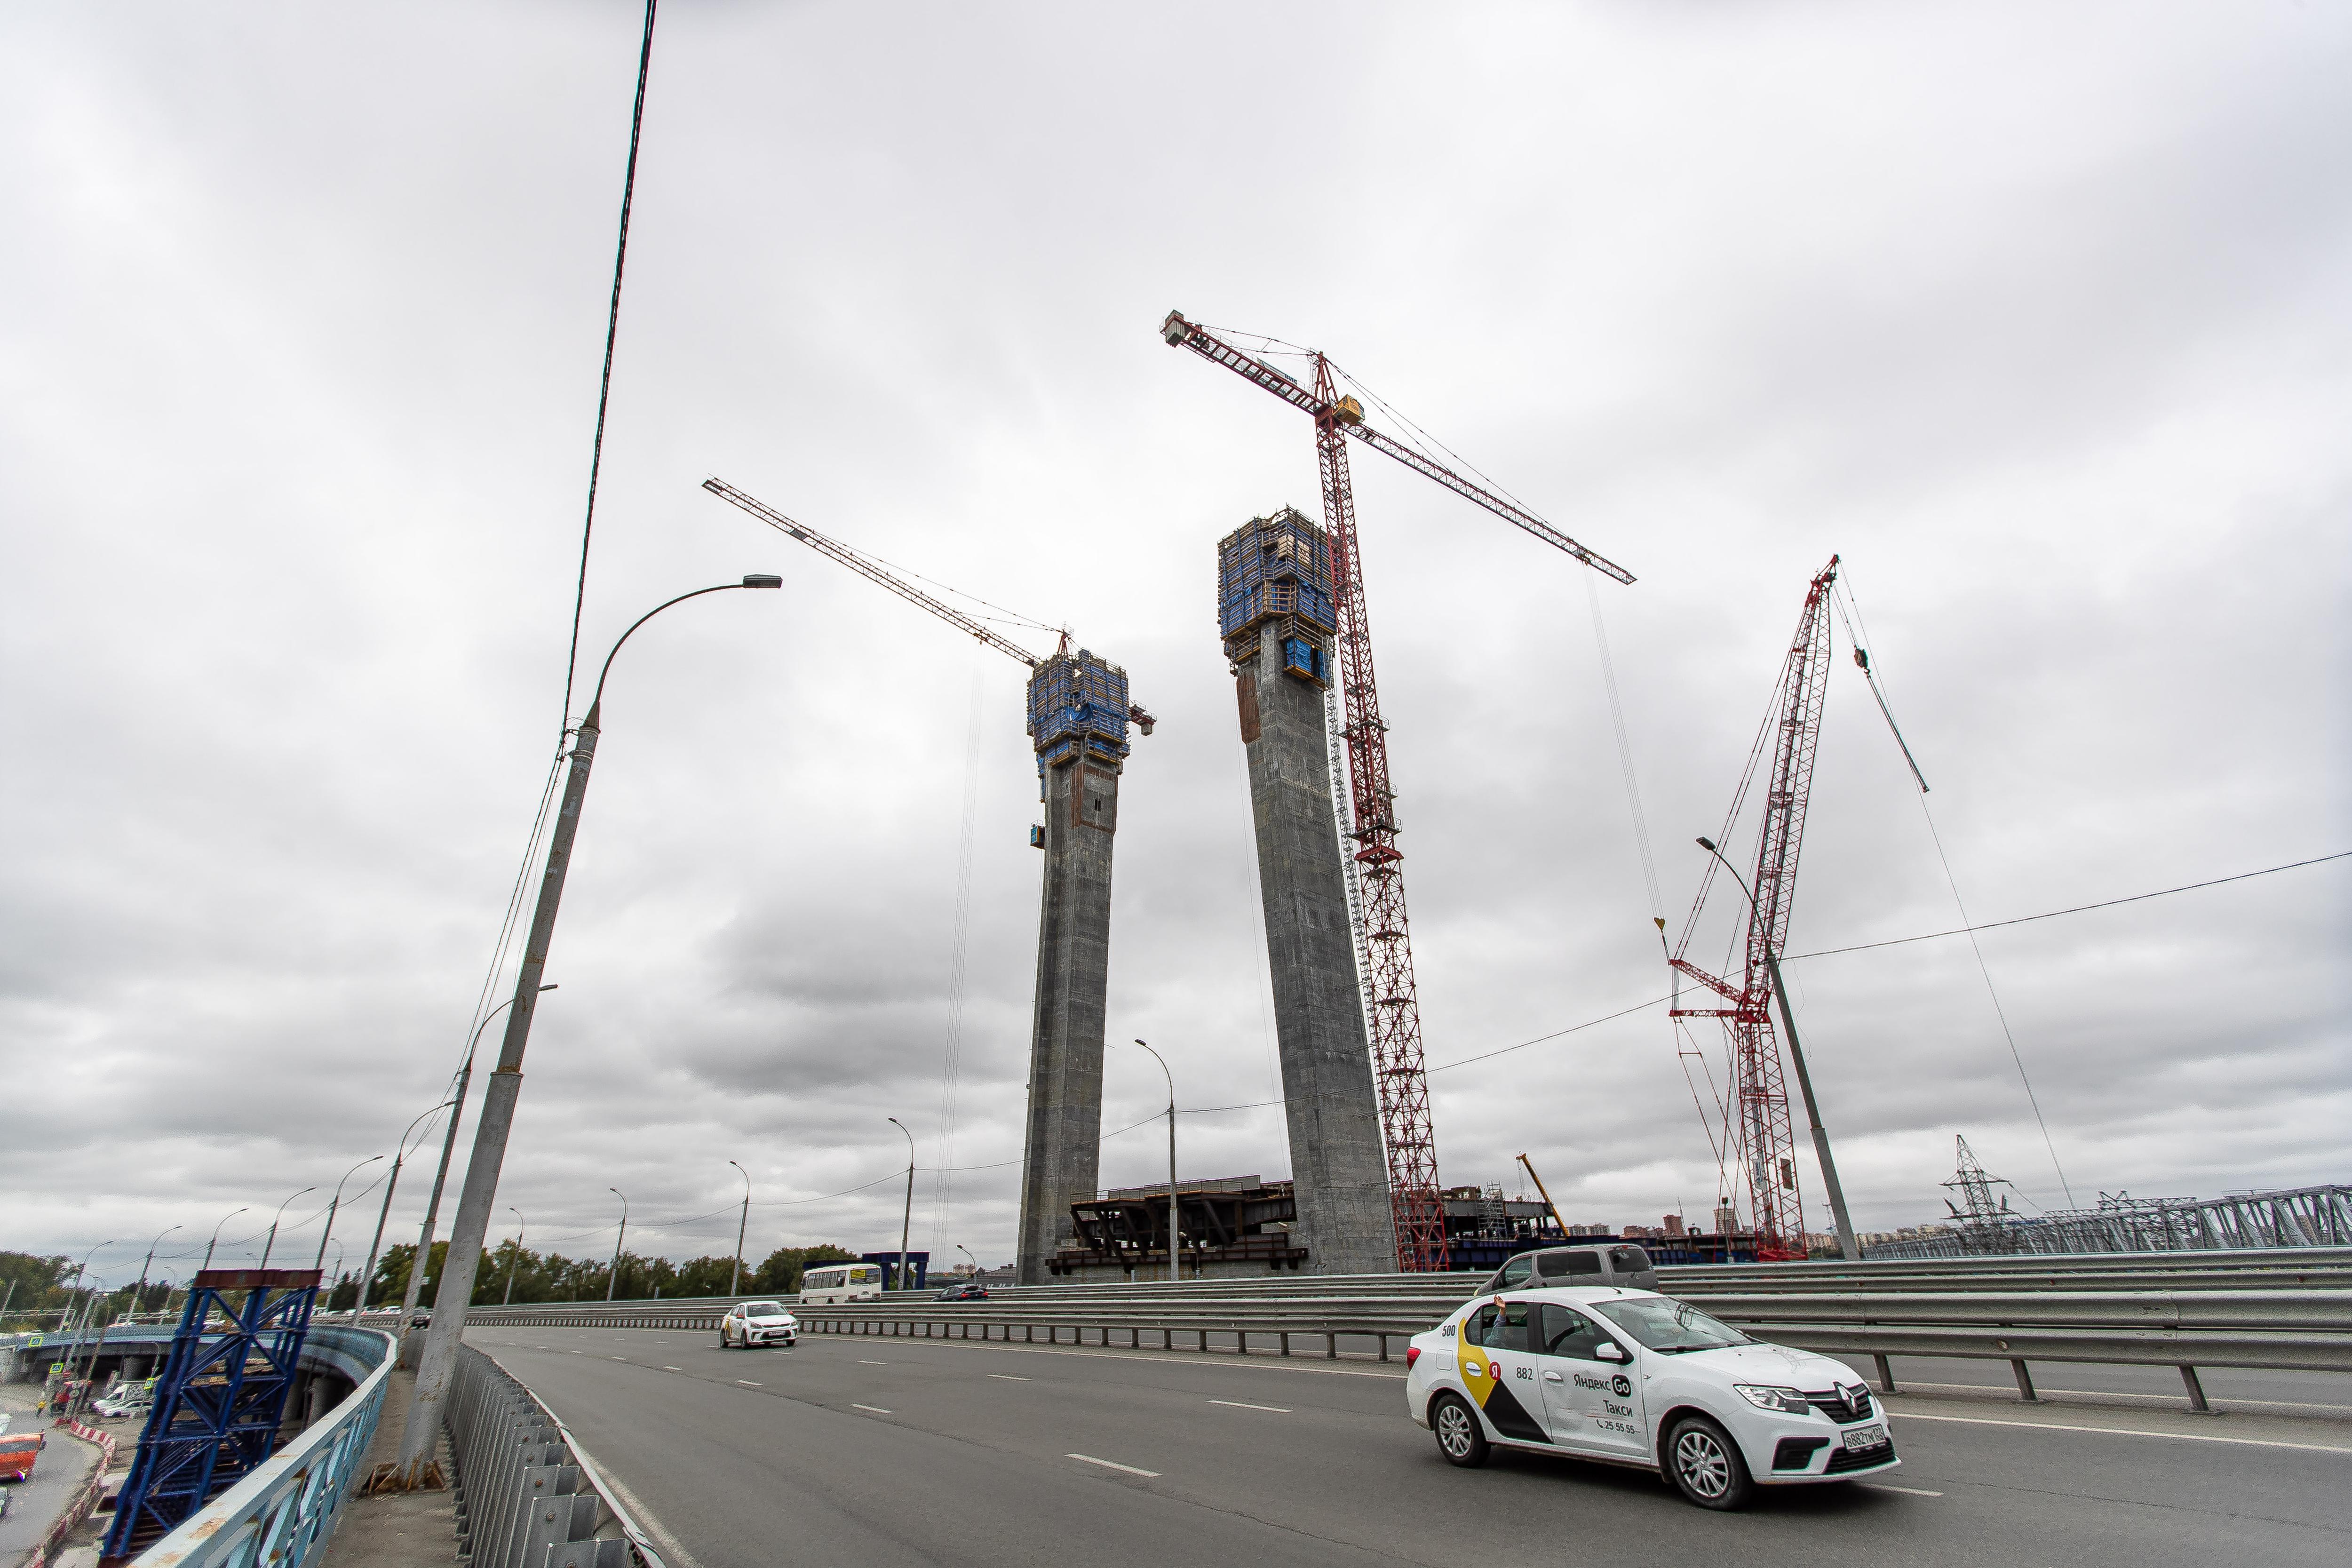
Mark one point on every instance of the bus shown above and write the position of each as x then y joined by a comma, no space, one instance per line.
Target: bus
842,1282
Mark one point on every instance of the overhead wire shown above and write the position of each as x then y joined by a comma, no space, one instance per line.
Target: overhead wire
2078,908
612,336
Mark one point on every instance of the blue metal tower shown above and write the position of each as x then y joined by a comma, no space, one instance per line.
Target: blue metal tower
219,1400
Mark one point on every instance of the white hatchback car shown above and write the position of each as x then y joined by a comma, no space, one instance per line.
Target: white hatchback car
748,1323
1632,1377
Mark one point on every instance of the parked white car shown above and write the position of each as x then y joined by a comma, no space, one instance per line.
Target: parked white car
748,1323
1632,1377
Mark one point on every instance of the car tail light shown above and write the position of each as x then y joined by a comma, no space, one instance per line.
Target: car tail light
1411,1355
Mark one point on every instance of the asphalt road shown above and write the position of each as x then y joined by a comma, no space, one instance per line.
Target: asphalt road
884,1452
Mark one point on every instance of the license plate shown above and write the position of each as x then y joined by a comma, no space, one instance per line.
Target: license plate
1870,1436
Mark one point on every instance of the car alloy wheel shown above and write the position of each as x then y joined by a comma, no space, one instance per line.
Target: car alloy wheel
1705,1468
1458,1437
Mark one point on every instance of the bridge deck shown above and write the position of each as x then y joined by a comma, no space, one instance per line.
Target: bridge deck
883,1452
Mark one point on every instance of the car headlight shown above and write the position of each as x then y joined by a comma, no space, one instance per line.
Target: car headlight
1764,1396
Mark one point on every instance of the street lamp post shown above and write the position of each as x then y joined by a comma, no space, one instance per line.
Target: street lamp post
440,1177
735,1279
423,1424
612,1283
272,1242
975,1262
338,1204
523,1227
399,1157
1846,1242
907,1219
139,1290
1175,1222
215,1240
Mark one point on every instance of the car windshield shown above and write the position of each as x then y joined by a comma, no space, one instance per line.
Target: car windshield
763,1309
1667,1326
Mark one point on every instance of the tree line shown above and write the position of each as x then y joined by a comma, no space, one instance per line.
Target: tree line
43,1285
520,1275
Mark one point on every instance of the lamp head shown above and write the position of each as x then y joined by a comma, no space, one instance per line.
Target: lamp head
1707,845
762,580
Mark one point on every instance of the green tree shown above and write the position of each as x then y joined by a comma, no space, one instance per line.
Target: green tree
40,1282
781,1273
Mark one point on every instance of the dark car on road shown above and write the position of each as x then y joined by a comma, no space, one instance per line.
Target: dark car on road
962,1293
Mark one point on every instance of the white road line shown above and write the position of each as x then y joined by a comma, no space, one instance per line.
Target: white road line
2125,1432
876,1408
749,1384
2171,1401
1906,1492
1239,1404
1109,1465
620,1358
1007,1377
873,1364
672,1369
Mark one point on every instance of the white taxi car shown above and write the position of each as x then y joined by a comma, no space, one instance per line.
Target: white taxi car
1632,1377
748,1323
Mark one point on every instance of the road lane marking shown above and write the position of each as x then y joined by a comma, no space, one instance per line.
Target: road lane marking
1906,1492
1007,1377
873,1364
1240,1404
1110,1465
672,1369
2125,1432
2171,1401
876,1408
749,1384
620,1358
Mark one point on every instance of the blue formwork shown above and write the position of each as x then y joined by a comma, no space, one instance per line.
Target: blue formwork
219,1400
1077,702
1274,567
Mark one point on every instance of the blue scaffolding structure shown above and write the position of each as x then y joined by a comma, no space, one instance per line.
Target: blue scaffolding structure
219,1400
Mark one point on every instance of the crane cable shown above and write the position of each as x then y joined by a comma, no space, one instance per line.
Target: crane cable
957,961
1856,630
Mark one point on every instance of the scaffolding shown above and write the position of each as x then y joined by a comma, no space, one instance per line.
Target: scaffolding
219,1401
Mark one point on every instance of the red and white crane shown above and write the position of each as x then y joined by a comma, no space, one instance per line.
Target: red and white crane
1763,1138
1394,1006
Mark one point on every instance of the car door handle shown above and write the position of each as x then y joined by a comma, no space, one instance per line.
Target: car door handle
1554,1377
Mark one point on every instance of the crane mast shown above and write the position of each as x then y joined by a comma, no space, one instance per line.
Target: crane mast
1392,1004
1766,1138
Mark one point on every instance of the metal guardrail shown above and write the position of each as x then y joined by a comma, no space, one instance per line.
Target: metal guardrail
521,1475
285,1512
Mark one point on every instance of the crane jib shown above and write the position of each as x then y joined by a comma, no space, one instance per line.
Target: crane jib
1181,333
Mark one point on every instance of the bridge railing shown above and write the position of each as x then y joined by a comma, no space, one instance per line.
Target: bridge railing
528,1494
284,1513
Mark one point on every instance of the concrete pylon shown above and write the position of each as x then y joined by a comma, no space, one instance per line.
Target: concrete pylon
1275,615
1078,713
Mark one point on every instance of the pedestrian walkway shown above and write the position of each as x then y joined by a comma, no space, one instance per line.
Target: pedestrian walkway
397,1529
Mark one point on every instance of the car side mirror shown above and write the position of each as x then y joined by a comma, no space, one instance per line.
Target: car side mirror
1608,1350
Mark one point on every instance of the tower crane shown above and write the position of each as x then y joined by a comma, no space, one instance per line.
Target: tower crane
1764,1137
1393,1011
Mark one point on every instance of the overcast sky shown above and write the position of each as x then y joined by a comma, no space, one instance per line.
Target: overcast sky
2041,316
